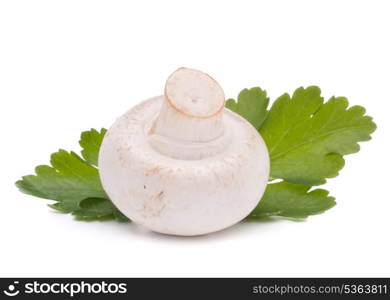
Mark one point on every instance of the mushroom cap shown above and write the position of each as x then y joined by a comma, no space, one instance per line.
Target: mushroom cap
190,196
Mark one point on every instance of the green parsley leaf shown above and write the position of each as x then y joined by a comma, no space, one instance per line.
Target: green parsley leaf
90,141
69,180
292,200
98,208
307,138
251,104
74,182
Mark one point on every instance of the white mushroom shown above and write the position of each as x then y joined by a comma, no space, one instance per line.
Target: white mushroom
181,163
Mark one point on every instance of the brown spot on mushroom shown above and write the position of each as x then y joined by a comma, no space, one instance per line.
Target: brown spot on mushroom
160,195
153,171
153,128
252,140
153,207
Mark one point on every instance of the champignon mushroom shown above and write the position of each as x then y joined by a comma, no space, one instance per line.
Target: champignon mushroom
181,163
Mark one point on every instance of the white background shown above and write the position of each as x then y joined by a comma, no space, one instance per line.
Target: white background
67,66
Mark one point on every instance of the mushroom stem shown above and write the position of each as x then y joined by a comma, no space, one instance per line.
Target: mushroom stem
192,109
